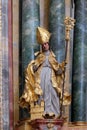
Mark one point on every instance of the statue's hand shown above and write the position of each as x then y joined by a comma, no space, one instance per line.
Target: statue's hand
35,68
59,72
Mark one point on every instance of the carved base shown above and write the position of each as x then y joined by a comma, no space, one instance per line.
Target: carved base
47,124
40,124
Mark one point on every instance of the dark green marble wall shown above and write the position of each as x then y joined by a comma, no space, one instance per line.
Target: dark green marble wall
79,87
29,20
56,27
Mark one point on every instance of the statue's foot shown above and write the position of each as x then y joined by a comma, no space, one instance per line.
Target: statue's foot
49,115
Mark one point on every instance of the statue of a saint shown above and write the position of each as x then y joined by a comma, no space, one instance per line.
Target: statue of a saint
44,78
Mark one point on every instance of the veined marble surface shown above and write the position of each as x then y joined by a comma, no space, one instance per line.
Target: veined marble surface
79,86
56,27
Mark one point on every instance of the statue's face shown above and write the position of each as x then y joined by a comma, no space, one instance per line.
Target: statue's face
45,47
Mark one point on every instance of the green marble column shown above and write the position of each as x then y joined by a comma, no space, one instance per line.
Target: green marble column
79,86
56,27
30,20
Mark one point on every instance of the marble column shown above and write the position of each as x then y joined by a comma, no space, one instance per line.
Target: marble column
1,120
56,27
79,84
15,10
30,21
44,13
10,59
5,67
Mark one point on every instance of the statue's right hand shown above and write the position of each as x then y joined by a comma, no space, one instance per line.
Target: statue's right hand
35,68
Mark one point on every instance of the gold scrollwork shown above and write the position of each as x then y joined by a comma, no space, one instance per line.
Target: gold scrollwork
69,24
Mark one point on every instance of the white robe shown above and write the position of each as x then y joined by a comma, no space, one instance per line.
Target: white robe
50,96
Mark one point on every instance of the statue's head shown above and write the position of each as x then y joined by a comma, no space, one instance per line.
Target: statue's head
45,46
43,36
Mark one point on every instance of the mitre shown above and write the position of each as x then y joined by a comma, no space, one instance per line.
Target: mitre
43,35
